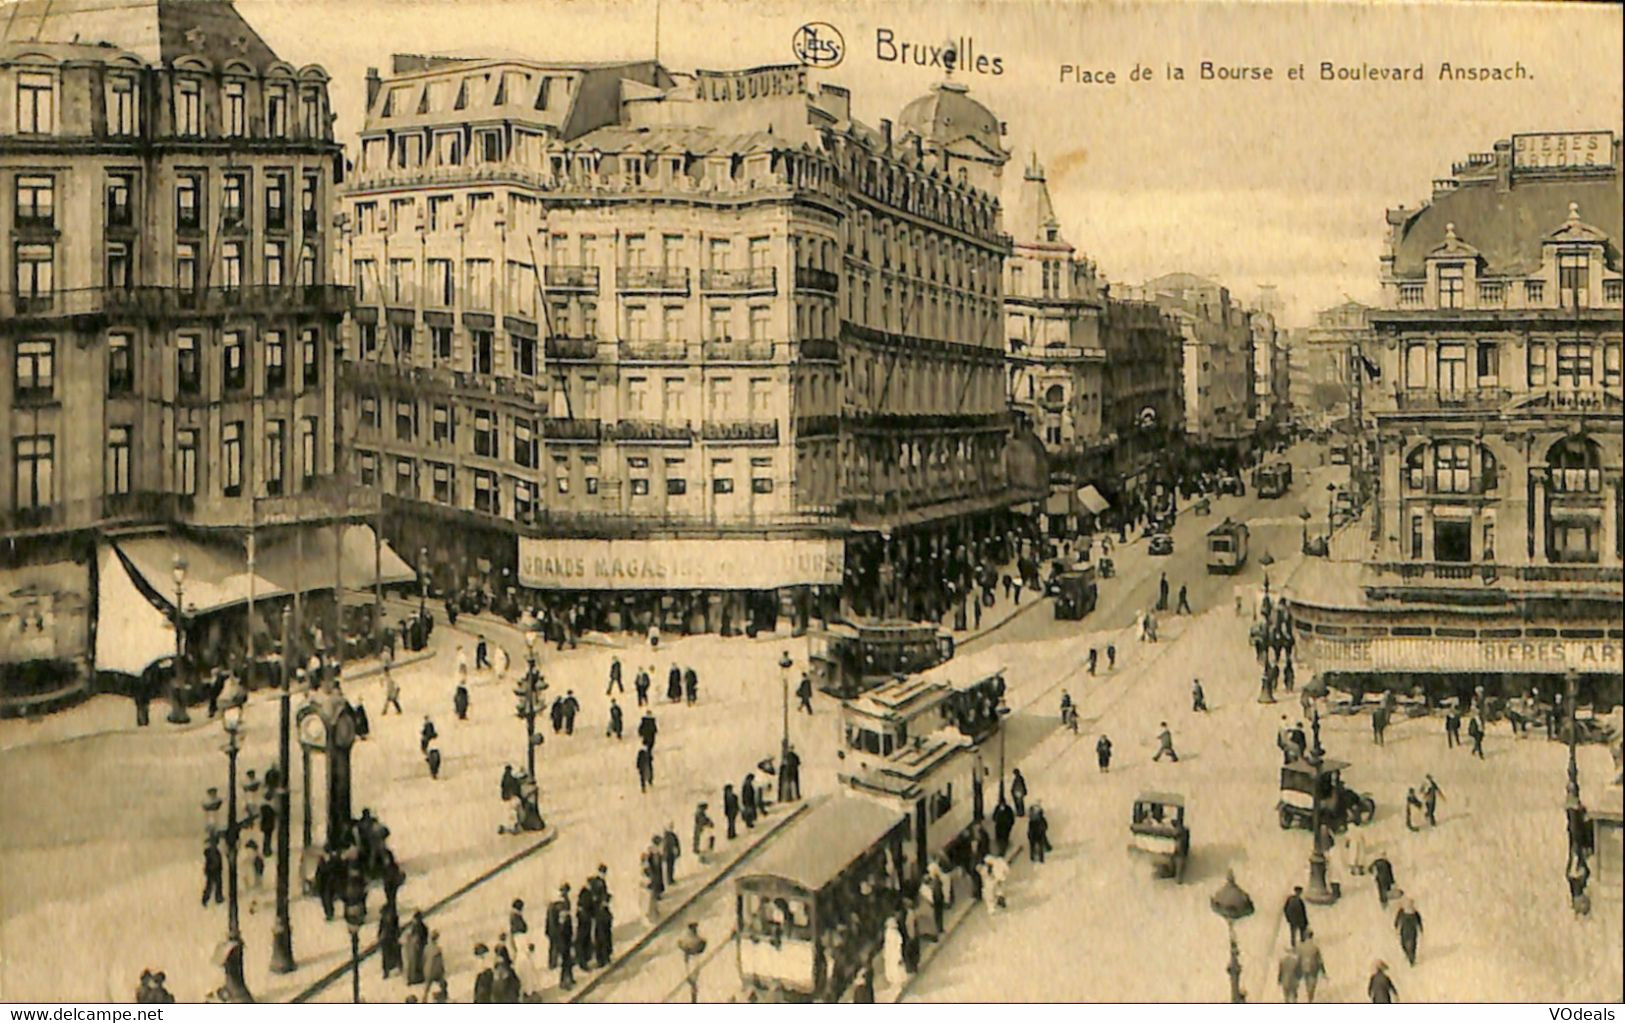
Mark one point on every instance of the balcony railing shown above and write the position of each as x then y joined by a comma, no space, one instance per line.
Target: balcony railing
323,498
572,429
813,279
153,302
818,426
820,348
739,351
653,351
650,430
757,279
572,278
652,278
1421,400
742,430
1480,574
572,349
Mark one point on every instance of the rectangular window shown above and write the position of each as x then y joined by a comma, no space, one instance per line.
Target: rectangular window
34,479
406,478
1489,364
759,320
487,493
1537,364
236,94
310,203
275,455
441,424
369,413
276,361
36,103
1574,364
122,116
276,202
118,266
233,373
186,462
676,478
1450,286
721,404
36,277
404,336
442,286
589,473
367,339
561,474
524,355
35,367
1416,537
1452,368
275,254
310,356
405,420
309,269
188,372
276,111
478,294
231,266
1611,367
401,274
36,201
722,476
524,499
118,460
1452,467
188,211
233,190
440,207
440,476
485,437
440,337
718,252
524,443
231,459
367,464
307,449
1573,279
120,369
120,187
483,357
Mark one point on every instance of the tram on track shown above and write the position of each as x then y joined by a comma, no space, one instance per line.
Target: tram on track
811,911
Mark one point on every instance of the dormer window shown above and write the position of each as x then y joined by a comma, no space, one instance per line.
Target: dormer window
36,103
189,107
1451,285
276,111
236,110
1573,278
121,106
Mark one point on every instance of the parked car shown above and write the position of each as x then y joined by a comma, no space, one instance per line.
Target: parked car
1162,544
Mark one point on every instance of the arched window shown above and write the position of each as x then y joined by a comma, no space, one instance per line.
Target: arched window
1576,465
1055,396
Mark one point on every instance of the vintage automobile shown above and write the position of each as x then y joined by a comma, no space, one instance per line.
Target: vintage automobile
1161,544
1303,781
1159,834
1075,592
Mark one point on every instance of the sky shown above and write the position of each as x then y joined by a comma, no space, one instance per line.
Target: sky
1250,182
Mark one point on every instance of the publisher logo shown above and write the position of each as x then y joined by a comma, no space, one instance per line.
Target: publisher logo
818,44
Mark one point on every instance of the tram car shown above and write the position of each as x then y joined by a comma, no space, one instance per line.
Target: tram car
1273,480
849,658
965,694
812,910
1227,547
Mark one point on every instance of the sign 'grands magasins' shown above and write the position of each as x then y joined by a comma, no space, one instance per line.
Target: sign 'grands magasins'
721,564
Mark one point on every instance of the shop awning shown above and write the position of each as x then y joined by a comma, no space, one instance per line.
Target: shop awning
1093,500
131,632
217,573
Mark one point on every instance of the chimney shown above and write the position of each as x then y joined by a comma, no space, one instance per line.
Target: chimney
885,131
373,85
1503,165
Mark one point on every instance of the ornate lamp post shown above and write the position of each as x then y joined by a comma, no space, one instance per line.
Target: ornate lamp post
282,960
785,664
1318,891
1232,903
423,580
530,687
231,953
692,946
1331,509
355,915
177,706
1573,809
1305,516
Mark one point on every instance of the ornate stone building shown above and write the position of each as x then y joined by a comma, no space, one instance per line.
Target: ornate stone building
167,318
1495,537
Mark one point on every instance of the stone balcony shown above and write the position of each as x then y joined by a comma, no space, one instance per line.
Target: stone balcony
755,281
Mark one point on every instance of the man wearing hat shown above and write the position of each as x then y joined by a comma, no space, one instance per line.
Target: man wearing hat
1409,924
212,866
603,920
516,920
558,915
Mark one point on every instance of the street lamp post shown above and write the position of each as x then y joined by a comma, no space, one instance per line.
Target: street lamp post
1232,903
531,680
282,960
1318,891
785,664
1331,509
423,580
177,705
1573,809
1304,515
355,914
692,946
231,956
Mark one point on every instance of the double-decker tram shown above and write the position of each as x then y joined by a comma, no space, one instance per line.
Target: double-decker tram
813,909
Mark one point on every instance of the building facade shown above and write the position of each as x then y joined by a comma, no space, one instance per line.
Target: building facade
1053,307
1218,362
1495,400
167,313
602,306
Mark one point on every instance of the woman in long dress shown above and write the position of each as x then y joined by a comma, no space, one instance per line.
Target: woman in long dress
892,955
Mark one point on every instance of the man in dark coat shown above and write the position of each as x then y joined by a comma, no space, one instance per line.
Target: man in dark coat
268,821
1037,834
1018,792
1383,872
615,677
674,684
1162,593
1380,988
1409,924
510,783
1475,732
389,939
648,730
1103,753
412,944
1431,794
213,864
747,802
670,850
646,768
691,686
459,701
804,692
1452,729
568,710
1004,821
1297,915
641,685
790,776
615,719
558,916
485,979
427,735
730,809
